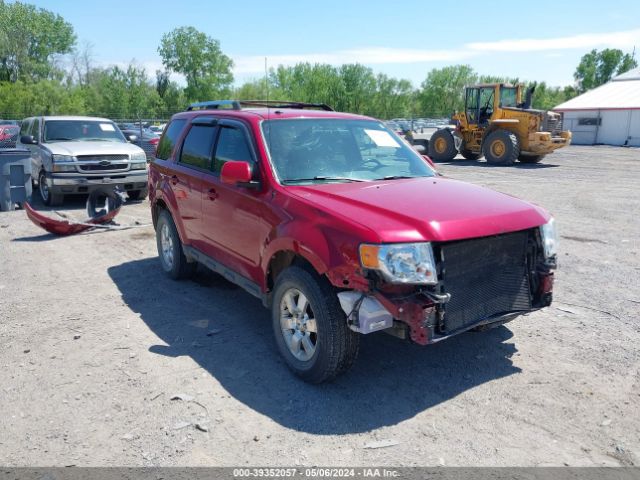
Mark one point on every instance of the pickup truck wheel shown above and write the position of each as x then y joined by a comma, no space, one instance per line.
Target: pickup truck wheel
48,198
310,327
170,251
138,194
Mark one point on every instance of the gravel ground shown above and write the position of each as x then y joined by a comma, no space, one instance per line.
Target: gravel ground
104,361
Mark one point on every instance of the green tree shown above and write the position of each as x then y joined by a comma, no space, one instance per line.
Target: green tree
442,92
199,58
122,94
393,98
359,87
30,38
598,67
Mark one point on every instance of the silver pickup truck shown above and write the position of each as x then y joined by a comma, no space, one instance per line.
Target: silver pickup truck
75,155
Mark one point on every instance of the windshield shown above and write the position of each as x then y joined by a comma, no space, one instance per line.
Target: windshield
81,131
339,150
508,97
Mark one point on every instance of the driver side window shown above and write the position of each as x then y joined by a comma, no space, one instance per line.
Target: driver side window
232,145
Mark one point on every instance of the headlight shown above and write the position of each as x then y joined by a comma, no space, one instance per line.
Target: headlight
139,157
62,158
64,167
61,163
549,240
401,262
139,166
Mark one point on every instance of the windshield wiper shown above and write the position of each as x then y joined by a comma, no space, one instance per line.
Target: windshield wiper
322,177
60,139
398,177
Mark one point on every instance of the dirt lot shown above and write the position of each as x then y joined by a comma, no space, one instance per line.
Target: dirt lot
95,342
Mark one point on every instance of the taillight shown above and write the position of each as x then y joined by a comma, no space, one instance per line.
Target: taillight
154,141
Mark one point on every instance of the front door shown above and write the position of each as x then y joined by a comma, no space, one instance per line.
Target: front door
236,219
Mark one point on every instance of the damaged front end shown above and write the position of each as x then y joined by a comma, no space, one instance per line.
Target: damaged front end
455,287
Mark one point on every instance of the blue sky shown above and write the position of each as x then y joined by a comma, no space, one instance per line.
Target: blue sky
539,40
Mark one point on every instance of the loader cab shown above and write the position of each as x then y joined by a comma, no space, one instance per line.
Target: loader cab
481,101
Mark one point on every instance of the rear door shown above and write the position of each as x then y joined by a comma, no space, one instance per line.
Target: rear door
194,160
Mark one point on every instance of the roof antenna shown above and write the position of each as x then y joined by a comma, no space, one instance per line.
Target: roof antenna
266,79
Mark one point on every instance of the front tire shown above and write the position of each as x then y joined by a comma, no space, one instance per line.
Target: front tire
172,257
442,146
310,327
138,194
501,147
49,198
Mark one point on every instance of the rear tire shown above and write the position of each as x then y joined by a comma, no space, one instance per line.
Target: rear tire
442,147
172,257
310,327
530,158
501,147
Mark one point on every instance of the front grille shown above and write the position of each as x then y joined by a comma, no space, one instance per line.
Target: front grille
485,277
103,168
553,124
101,158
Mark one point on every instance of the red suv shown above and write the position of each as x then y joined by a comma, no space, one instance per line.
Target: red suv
341,229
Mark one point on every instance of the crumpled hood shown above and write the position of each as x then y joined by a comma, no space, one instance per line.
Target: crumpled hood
423,209
92,148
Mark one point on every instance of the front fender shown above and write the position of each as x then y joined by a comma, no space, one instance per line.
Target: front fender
331,252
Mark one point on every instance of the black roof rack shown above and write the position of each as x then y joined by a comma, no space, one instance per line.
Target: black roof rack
238,104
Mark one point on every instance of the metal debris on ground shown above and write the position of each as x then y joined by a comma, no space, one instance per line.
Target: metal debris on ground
100,215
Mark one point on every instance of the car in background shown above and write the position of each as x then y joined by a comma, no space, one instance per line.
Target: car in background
148,142
76,155
157,129
9,135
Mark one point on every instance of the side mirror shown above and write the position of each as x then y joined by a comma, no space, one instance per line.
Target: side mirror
237,173
28,140
130,137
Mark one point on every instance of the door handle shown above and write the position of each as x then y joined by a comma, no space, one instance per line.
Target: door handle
174,180
212,194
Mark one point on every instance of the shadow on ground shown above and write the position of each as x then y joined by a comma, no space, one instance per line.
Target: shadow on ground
392,380
483,163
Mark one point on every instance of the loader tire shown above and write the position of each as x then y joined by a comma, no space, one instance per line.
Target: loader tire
501,147
442,147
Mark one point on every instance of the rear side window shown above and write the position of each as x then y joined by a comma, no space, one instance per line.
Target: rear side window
232,145
169,139
197,147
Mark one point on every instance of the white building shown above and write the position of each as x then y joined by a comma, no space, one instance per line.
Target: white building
609,114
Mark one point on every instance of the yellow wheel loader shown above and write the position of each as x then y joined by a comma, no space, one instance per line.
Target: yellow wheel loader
498,124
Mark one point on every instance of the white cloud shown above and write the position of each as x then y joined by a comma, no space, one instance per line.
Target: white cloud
624,40
254,64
